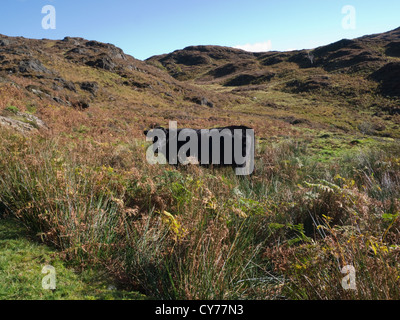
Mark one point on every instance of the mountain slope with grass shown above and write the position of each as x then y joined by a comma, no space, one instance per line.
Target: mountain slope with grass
324,194
331,81
234,67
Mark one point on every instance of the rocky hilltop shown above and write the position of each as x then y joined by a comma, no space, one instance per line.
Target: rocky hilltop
99,86
375,56
75,74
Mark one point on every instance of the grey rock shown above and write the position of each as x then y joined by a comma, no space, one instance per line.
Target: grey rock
23,123
4,42
105,63
32,65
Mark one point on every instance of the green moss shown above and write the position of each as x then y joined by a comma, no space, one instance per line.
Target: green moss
12,109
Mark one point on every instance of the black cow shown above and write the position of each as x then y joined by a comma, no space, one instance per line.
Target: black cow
224,146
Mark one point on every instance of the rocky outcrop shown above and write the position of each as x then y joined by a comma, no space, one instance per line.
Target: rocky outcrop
104,62
32,66
22,122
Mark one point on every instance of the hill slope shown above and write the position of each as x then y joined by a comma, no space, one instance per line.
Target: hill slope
230,66
75,76
325,191
341,78
76,85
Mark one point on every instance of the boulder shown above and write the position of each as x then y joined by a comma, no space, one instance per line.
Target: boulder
32,65
22,122
105,63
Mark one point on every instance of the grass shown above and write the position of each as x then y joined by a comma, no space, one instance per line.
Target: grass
22,260
196,233
12,109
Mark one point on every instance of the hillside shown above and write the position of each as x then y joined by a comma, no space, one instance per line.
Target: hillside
76,76
324,194
331,78
233,67
326,88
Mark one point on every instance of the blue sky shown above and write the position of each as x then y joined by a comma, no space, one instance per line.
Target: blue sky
144,28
